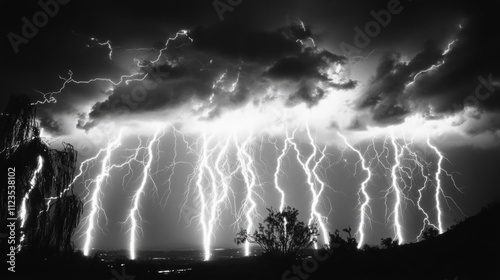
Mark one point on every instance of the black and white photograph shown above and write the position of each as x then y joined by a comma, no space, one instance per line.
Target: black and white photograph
250,139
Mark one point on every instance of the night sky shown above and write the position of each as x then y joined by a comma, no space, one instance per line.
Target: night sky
430,69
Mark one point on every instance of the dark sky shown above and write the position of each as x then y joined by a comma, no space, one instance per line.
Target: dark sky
274,61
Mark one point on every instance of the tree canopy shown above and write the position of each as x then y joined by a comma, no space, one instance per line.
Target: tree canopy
281,234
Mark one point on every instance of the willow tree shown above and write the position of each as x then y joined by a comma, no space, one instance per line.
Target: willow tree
46,227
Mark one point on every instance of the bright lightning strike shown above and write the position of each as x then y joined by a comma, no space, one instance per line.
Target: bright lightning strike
96,194
203,199
49,97
23,215
250,178
286,147
218,197
438,186
422,166
84,166
107,43
434,66
134,214
312,180
217,175
396,190
362,190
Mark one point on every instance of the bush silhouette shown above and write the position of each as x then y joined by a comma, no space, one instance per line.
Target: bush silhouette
388,242
282,234
367,247
348,244
429,233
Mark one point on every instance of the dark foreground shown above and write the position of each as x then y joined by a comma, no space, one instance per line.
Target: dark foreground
470,250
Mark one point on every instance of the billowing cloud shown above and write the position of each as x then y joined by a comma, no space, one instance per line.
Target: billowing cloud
243,65
441,79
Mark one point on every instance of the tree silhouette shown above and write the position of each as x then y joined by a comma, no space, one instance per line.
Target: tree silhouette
47,229
388,242
337,242
429,233
282,234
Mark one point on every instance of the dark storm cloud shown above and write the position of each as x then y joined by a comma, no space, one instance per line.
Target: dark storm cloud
240,42
485,123
242,55
310,93
471,64
306,64
307,68
445,89
251,34
385,95
165,87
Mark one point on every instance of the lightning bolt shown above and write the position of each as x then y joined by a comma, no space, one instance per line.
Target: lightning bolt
202,198
361,58
134,214
84,166
23,215
181,32
438,186
49,97
422,166
224,182
362,191
317,195
233,85
396,189
406,166
213,198
107,43
312,179
95,199
434,66
286,147
439,190
250,179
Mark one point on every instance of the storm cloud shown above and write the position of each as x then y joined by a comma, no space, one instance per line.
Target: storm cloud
243,64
